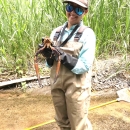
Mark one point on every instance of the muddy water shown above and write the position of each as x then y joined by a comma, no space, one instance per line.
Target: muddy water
20,110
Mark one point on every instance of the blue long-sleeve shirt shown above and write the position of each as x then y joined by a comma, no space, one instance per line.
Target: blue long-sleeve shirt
87,53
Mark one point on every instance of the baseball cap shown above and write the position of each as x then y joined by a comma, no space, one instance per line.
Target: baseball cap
82,3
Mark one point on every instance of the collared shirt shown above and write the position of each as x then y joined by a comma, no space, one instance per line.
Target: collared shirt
87,53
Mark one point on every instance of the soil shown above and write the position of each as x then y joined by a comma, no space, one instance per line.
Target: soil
19,111
33,108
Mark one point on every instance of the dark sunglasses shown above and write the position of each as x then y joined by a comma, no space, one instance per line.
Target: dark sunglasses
78,10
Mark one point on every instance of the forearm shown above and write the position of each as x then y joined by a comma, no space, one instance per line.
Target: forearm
68,61
85,61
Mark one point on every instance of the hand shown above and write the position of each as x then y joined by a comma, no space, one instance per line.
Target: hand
67,60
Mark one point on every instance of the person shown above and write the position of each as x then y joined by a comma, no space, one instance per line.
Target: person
71,91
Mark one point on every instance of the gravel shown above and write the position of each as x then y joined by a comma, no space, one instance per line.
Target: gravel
109,74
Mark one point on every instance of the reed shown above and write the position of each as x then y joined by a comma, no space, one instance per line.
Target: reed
111,22
23,23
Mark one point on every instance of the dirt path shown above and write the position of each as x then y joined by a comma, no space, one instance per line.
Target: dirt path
20,110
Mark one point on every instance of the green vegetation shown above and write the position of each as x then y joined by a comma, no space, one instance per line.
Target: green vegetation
23,23
110,20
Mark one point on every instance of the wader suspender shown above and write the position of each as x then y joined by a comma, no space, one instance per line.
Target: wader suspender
79,33
77,36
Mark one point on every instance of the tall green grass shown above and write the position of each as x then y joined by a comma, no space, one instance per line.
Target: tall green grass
24,22
22,25
110,20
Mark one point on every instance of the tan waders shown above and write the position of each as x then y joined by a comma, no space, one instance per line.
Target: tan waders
71,97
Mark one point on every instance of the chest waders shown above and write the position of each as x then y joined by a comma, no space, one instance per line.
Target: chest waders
71,92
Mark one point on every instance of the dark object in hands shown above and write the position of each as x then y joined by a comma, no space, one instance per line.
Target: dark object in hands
47,50
66,59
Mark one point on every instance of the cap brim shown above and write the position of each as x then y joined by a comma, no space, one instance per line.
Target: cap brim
76,2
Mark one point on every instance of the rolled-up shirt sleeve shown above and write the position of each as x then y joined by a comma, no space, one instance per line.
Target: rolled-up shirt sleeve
87,53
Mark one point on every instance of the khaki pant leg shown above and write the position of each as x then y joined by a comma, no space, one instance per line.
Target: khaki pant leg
59,102
78,101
